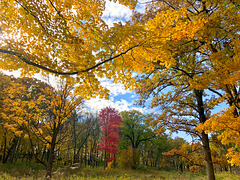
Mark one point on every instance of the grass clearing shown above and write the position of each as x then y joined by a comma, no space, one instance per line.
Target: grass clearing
37,172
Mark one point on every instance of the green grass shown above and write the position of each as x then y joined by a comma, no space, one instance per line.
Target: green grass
20,170
35,171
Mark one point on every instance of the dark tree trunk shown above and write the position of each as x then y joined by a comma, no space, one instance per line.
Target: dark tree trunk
135,158
51,156
208,157
50,163
5,147
44,154
11,150
75,155
85,157
204,137
105,160
17,151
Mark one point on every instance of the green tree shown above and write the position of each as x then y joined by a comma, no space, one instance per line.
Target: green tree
134,131
161,144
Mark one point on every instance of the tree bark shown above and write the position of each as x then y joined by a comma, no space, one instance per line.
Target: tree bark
50,163
105,159
5,147
134,156
11,150
17,151
75,157
51,156
204,136
208,157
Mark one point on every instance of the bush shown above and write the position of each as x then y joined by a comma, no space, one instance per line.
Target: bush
129,158
142,167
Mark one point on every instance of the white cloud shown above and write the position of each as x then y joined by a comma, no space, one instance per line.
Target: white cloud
115,12
95,105
134,95
16,73
49,79
115,89
141,5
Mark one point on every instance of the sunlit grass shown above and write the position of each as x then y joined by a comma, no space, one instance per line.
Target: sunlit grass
35,171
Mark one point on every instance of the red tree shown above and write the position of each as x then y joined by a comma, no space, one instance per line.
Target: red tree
109,120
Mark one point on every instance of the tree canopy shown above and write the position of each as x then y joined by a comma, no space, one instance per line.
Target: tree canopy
59,37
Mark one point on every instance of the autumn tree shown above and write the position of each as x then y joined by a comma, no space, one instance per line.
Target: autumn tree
225,53
23,90
62,38
61,105
109,120
6,136
189,155
43,118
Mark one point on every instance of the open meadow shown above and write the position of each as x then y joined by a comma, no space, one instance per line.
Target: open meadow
35,171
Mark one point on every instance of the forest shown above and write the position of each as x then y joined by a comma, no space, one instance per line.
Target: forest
180,56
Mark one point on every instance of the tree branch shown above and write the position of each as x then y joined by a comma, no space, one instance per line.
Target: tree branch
214,91
27,61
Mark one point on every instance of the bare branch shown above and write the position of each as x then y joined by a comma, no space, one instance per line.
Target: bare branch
214,91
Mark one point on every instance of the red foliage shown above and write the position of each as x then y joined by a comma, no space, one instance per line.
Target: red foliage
109,120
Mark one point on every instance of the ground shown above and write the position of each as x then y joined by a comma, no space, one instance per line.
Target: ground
26,172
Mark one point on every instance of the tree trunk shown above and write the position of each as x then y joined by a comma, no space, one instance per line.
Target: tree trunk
85,157
50,163
97,158
134,156
75,156
5,147
44,154
105,159
204,138
17,150
11,150
51,156
208,157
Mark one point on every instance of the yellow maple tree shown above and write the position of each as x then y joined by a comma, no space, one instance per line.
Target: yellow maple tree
42,117
60,37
